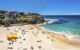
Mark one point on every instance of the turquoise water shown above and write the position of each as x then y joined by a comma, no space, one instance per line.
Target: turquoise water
69,24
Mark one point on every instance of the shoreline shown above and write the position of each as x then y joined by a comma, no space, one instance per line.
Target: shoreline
66,35
63,37
48,40
69,36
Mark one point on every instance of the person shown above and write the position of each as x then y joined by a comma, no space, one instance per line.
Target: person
23,32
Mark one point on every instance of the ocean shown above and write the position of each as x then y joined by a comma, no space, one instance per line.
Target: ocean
65,24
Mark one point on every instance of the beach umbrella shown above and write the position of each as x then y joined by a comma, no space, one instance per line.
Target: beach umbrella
11,36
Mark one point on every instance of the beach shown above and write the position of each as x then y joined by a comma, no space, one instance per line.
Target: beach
33,37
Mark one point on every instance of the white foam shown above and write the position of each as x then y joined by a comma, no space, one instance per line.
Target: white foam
51,20
68,35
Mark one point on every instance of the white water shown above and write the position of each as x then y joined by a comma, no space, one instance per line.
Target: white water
51,20
68,35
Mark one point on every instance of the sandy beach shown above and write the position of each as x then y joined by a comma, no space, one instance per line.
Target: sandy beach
32,37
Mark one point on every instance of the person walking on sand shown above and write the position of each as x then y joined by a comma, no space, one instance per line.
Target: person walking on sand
23,32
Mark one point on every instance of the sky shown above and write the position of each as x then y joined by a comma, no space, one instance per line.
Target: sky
44,7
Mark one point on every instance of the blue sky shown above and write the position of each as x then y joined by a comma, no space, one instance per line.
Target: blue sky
46,7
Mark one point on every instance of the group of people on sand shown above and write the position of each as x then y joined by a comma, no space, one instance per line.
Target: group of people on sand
12,37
